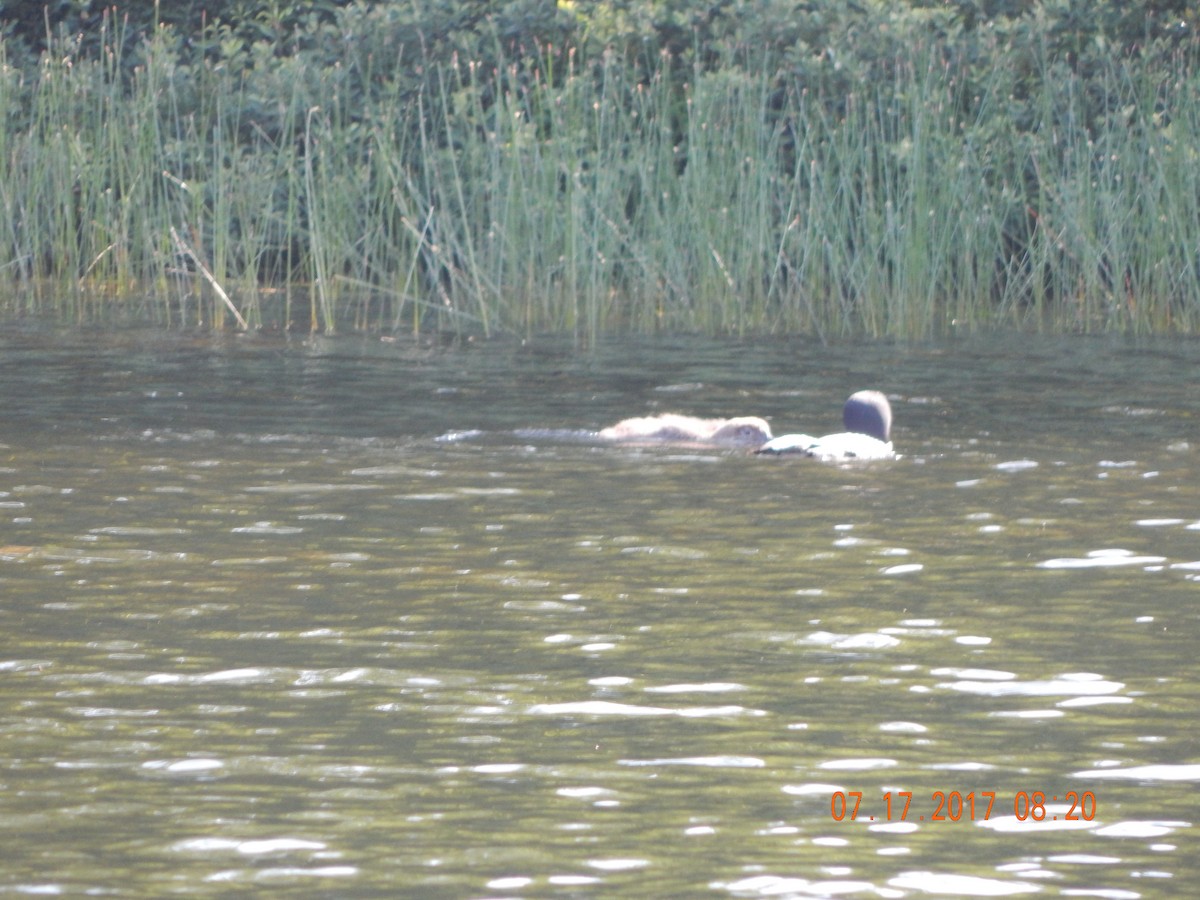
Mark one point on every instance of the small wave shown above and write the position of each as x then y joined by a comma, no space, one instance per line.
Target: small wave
1182,772
1097,559
454,437
718,762
1016,465
1074,685
609,708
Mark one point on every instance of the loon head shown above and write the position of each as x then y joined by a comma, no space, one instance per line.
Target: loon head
868,412
747,431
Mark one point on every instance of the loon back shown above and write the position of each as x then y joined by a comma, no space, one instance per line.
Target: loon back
744,431
867,417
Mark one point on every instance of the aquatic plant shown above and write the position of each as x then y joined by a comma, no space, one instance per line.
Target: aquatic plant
362,174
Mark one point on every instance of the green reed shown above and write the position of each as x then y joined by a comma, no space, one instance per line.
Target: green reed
592,195
1116,235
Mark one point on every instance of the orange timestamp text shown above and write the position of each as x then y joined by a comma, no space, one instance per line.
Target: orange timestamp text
973,806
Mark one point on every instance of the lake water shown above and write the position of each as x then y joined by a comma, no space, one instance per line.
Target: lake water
353,618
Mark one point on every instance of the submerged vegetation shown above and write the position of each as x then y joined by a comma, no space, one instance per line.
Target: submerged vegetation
884,168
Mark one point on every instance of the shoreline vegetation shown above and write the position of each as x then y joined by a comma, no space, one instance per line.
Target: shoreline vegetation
883,169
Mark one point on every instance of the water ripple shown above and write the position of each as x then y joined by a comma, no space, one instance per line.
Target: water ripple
713,687
1162,772
790,886
864,641
610,708
256,847
1016,465
961,885
858,765
722,762
1142,829
1055,820
1072,685
1097,559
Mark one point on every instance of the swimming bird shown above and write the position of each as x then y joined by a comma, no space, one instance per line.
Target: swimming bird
744,431
867,416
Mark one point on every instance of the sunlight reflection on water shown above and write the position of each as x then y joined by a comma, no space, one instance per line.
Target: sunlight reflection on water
343,620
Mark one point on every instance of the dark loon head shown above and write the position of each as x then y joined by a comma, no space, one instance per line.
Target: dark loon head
868,412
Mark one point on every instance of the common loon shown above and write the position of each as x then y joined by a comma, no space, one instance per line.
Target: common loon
867,416
745,431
